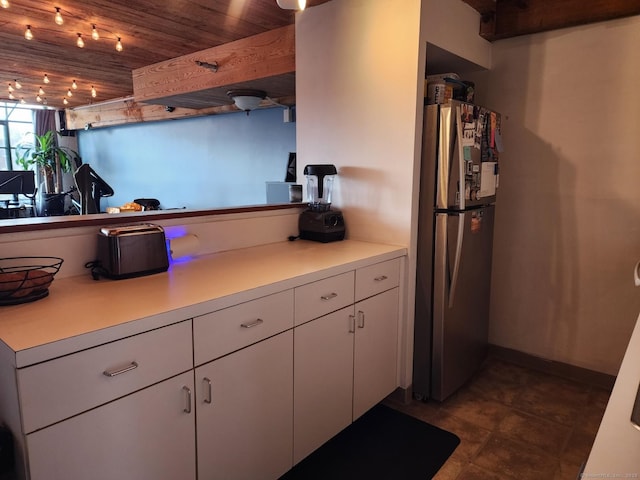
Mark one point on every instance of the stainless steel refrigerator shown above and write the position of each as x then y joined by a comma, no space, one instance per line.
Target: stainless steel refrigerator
458,185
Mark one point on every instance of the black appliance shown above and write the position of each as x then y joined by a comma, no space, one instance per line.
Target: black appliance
319,222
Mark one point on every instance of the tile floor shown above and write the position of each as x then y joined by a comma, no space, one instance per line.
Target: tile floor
516,423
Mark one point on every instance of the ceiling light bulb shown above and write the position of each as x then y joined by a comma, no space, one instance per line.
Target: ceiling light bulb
11,97
119,45
292,4
80,42
58,18
4,3
69,93
74,85
28,34
40,91
38,98
46,79
94,33
22,100
44,101
65,101
93,92
10,88
18,84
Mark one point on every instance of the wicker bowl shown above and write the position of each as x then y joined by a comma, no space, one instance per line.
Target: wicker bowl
26,279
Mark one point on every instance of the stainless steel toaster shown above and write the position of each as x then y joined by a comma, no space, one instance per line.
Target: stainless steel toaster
132,250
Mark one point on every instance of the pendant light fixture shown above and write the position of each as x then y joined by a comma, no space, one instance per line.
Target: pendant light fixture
74,85
65,101
119,45
58,17
4,3
40,91
292,4
28,34
69,93
80,41
46,79
10,88
94,93
11,96
94,32
17,84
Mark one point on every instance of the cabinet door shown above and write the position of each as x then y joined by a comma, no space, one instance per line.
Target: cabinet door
376,350
323,380
148,435
244,419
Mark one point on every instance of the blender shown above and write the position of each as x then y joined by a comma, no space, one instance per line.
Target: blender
318,222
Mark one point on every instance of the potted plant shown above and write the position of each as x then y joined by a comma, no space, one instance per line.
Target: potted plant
52,161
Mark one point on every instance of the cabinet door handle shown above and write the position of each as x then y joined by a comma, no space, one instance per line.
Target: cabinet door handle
120,371
187,390
381,278
207,385
360,319
254,323
352,324
330,296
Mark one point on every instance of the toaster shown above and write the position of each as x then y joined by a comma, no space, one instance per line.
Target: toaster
132,251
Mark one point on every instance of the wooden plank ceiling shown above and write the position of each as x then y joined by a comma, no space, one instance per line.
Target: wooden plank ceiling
151,31
509,18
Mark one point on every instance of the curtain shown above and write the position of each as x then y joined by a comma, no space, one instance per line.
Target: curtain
45,121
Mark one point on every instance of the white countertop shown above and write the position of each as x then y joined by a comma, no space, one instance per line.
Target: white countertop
616,449
81,312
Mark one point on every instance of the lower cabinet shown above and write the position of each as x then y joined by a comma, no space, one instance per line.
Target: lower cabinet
345,363
147,435
244,405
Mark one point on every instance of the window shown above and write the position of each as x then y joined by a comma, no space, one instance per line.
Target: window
16,125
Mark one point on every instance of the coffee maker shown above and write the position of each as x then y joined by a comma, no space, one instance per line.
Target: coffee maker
318,222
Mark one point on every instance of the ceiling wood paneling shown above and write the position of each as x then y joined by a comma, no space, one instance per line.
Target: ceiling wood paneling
152,31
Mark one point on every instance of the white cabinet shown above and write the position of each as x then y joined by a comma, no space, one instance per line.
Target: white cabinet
244,405
376,347
323,380
345,362
148,435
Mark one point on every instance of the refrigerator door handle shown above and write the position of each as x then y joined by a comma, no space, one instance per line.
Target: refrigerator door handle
457,258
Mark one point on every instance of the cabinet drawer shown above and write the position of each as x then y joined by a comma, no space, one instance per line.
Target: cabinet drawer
324,296
377,278
218,333
57,389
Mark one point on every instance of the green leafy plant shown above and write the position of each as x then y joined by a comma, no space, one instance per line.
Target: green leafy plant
51,159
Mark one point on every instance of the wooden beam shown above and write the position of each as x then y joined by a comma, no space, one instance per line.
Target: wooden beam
180,81
522,17
126,111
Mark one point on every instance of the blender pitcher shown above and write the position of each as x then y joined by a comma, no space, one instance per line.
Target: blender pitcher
319,186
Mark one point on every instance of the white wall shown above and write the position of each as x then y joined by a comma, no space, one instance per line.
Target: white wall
568,212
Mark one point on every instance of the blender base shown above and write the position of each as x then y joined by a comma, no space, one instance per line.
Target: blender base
327,226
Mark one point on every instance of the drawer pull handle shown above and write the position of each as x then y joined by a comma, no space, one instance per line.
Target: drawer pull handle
329,297
255,323
207,383
187,390
360,319
381,278
120,371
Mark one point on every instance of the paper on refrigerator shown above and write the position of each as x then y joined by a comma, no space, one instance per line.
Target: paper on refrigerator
488,179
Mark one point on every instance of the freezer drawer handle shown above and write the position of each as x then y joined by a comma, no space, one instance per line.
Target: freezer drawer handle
381,278
207,384
120,371
329,297
456,262
254,323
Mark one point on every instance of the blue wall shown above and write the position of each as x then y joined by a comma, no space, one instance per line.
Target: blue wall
204,162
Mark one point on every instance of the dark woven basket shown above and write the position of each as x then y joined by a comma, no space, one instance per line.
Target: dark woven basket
26,279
